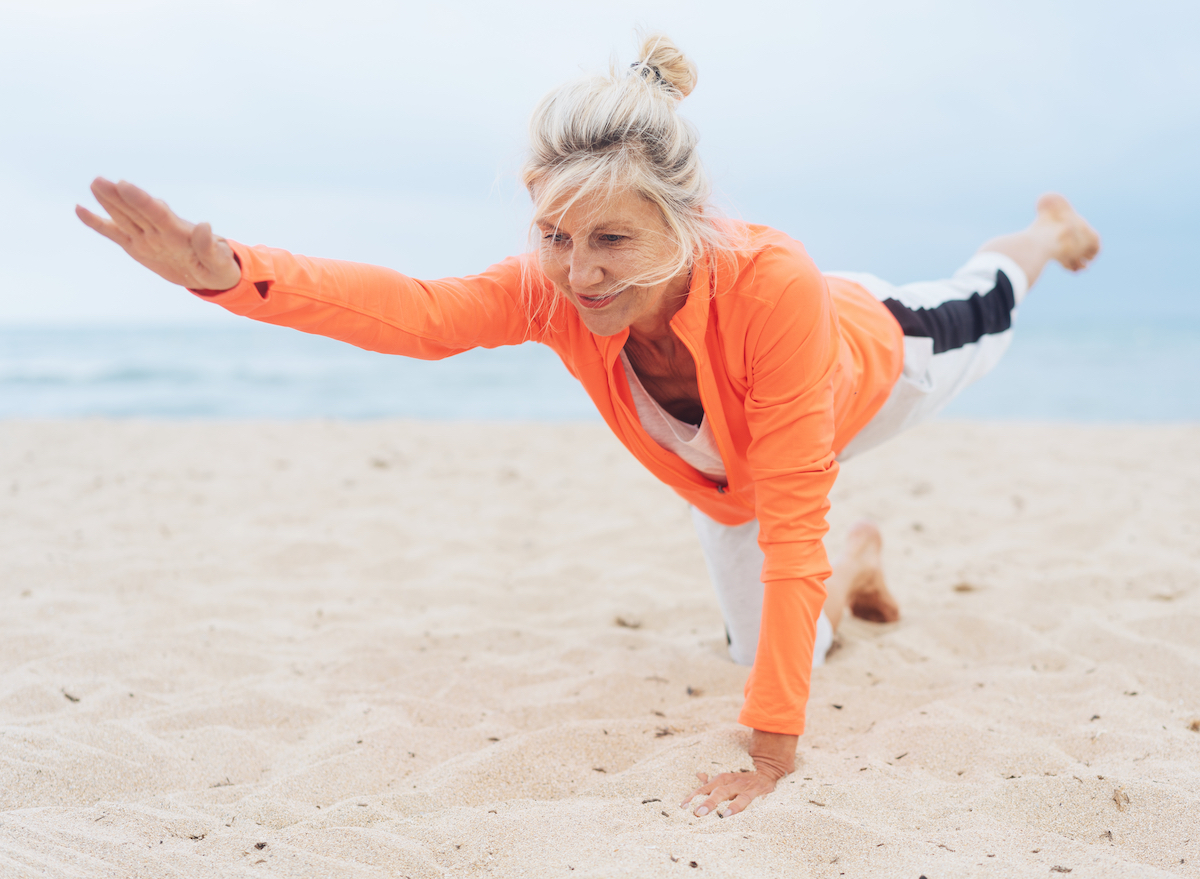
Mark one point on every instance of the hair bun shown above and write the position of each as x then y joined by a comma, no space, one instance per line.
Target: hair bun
667,63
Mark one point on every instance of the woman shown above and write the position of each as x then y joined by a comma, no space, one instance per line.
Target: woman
716,351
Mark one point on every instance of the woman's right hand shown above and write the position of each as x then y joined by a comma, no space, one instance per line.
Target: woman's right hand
183,253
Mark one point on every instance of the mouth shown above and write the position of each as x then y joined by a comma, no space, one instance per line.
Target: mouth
594,302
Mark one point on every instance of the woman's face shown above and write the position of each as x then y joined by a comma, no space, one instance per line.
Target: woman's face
595,252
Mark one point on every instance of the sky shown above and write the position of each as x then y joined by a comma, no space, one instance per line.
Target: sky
890,137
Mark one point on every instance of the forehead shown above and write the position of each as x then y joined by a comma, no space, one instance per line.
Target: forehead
624,207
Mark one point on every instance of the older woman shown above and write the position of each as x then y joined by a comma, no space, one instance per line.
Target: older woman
716,351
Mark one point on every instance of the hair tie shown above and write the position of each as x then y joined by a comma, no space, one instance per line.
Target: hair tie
658,77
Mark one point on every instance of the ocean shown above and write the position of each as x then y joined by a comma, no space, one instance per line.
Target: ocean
1086,369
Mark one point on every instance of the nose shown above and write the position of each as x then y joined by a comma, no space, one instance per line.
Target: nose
585,270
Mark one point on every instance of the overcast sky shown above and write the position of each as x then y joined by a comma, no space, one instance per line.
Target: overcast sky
888,136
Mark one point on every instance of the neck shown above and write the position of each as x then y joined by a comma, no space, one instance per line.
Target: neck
655,329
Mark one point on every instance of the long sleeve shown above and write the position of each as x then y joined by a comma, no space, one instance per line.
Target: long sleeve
382,310
790,415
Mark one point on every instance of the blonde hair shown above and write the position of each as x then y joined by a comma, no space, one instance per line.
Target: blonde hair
601,135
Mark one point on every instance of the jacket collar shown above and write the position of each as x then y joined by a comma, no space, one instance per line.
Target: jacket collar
691,321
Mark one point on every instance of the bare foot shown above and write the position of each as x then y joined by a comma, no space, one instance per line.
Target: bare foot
1075,242
868,597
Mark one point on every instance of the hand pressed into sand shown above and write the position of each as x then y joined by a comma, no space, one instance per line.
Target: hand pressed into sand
774,756
183,253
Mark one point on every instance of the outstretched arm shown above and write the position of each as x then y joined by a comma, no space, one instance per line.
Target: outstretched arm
369,306
183,253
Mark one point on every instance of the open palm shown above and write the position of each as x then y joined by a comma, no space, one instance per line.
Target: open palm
183,253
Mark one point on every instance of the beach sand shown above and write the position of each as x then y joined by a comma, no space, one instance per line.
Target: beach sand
410,649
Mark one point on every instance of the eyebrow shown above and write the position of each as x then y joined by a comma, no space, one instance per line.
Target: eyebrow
615,229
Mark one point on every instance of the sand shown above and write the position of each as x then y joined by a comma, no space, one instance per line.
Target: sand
404,649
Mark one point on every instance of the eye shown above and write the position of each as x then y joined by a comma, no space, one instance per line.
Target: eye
612,239
554,238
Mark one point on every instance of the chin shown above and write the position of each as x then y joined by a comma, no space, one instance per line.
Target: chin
602,324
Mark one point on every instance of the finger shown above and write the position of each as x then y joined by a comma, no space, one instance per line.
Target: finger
148,211
203,243
737,804
215,257
110,199
718,796
106,193
702,790
213,251
711,784
105,227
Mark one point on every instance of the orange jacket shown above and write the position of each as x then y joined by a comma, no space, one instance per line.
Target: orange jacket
790,366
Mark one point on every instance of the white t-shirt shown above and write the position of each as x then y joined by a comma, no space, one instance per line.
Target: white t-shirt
695,445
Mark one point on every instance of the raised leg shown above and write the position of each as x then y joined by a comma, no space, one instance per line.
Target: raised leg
1057,233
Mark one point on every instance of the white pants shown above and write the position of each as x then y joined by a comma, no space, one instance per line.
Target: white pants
955,331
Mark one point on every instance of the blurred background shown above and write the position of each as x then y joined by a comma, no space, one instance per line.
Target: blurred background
888,137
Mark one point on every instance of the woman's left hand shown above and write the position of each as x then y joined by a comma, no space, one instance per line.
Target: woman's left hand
183,253
774,756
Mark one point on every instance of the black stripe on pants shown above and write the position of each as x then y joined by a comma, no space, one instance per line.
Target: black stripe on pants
959,322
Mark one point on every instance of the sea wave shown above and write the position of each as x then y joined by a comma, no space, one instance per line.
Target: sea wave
1079,370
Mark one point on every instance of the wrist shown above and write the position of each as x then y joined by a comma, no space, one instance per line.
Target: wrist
774,754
